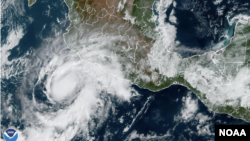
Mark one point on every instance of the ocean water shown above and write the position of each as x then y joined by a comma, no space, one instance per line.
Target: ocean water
44,16
174,113
163,115
202,24
39,24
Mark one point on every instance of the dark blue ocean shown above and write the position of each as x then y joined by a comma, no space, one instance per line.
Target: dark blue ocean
148,116
201,24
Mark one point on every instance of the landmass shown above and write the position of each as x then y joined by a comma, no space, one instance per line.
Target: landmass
126,29
31,2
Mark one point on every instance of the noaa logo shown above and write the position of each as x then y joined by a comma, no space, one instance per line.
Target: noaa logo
230,132
10,135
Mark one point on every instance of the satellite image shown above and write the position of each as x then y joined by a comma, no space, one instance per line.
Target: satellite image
123,70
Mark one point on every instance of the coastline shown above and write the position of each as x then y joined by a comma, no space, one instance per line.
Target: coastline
31,2
175,82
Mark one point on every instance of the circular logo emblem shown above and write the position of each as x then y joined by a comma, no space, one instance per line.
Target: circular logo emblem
10,135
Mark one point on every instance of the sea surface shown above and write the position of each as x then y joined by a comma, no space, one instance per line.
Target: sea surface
202,24
174,113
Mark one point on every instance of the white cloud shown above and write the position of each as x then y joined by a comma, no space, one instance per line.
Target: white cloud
204,126
121,5
13,39
165,61
76,80
202,118
214,85
129,17
204,130
216,2
150,136
189,110
190,107
167,31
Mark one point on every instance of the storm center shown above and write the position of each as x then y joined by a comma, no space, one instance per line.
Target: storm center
63,86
